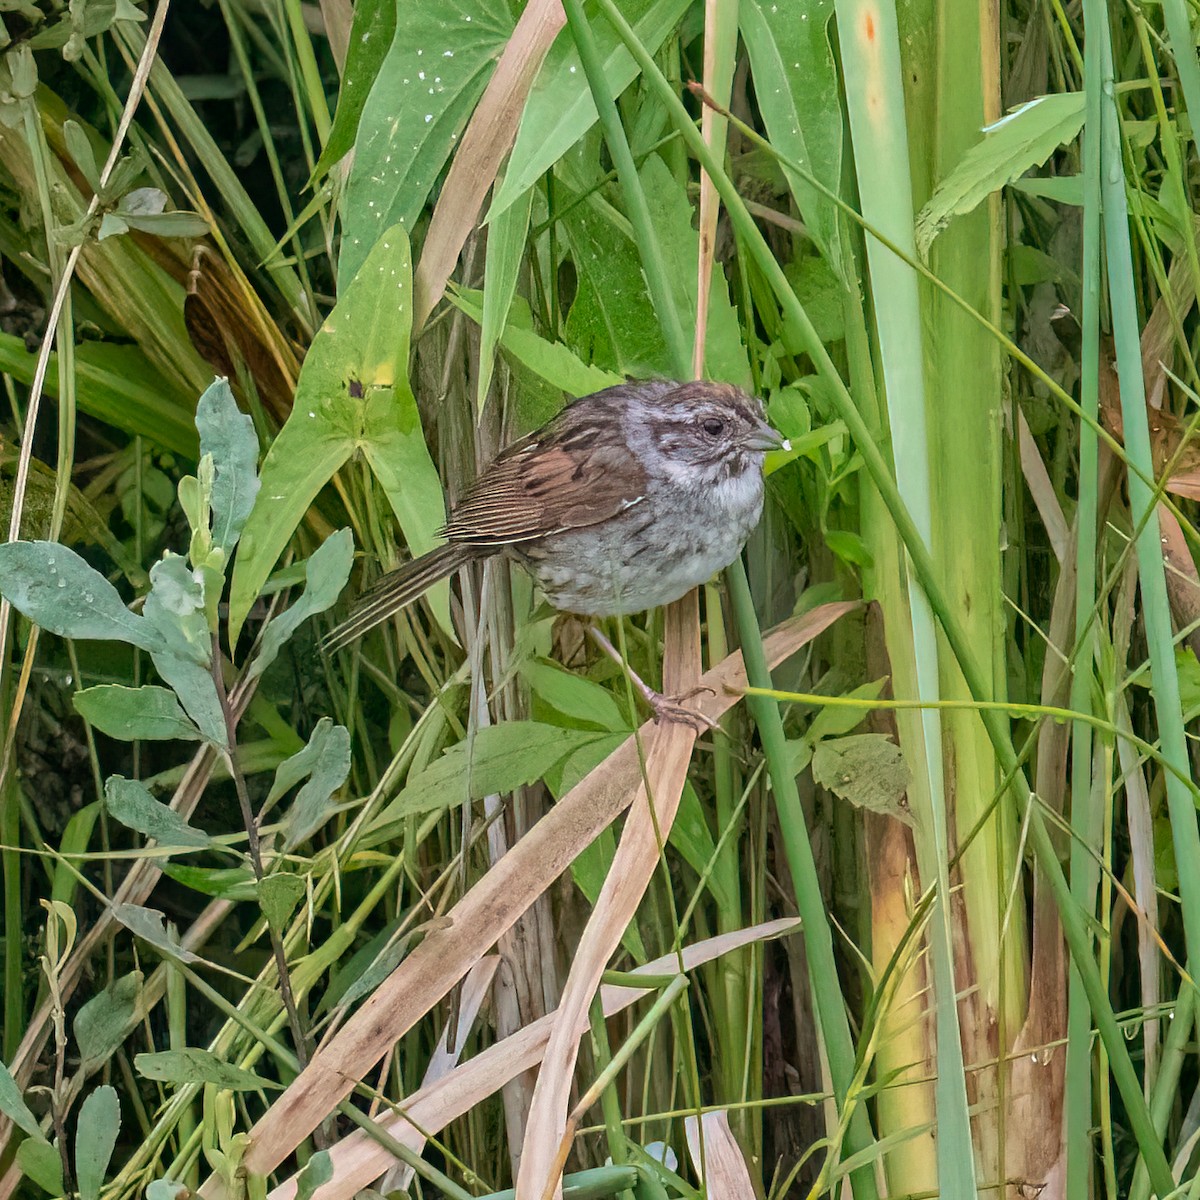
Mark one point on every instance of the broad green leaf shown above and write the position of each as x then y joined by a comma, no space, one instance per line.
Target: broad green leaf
317,1171
228,435
1025,138
352,394
57,590
503,757
504,258
229,883
560,109
197,692
612,322
95,1137
13,1106
326,573
193,1065
131,803
278,895
105,1021
868,769
672,212
371,31
551,361
147,924
572,695
134,714
435,70
175,608
41,1162
796,82
326,762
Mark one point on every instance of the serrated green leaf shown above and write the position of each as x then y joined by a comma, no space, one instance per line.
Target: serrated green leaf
57,590
1025,138
105,1021
193,1065
131,803
95,1138
868,769
228,435
502,758
134,714
671,213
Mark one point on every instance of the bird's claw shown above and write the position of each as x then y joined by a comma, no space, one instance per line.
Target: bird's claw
673,710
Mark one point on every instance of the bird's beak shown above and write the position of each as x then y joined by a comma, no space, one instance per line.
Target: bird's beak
763,437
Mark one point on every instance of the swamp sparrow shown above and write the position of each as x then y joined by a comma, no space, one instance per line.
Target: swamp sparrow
626,500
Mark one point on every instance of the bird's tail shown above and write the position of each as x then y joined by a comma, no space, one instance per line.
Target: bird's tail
396,589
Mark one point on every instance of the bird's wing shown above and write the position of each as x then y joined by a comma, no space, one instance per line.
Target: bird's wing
566,476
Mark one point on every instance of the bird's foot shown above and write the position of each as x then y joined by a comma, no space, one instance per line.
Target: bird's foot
674,710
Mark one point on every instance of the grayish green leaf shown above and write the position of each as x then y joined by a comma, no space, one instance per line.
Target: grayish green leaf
106,1020
57,590
132,804
193,1065
134,714
13,1106
195,688
41,1162
325,576
328,768
80,149
317,1171
167,1189
95,1137
175,608
147,923
228,435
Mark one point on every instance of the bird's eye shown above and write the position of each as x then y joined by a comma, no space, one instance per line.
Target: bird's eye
713,426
